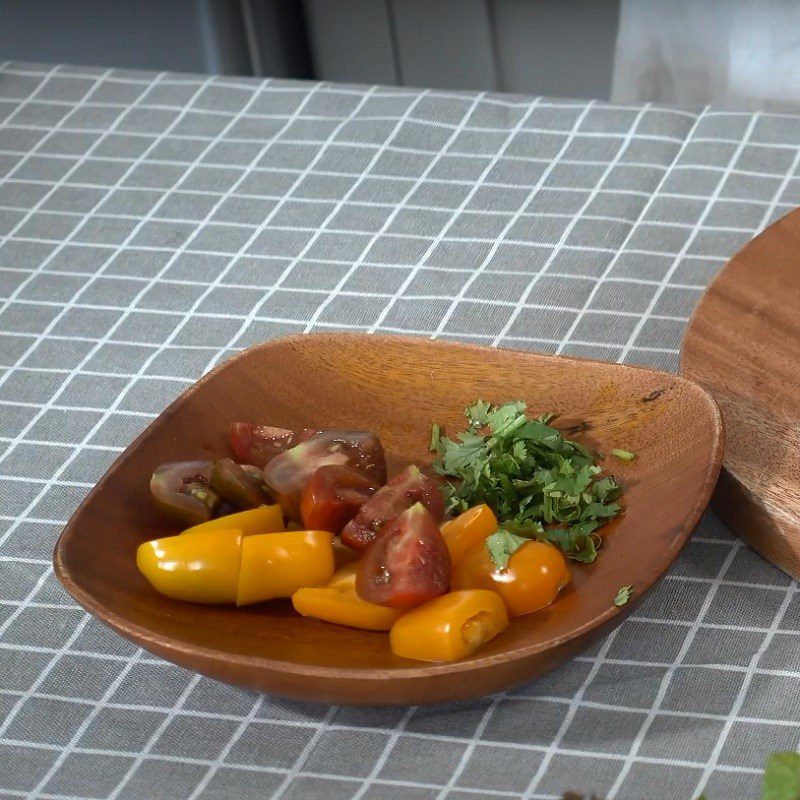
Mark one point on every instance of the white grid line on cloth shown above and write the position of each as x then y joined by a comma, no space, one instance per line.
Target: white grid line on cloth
104,416
665,682
323,227
790,591
77,450
487,715
376,204
442,235
575,162
615,259
497,743
671,669
289,770
396,235
750,672
46,671
602,653
521,242
170,715
708,255
565,234
689,241
75,370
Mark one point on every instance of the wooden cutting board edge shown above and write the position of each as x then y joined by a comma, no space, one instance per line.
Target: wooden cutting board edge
768,521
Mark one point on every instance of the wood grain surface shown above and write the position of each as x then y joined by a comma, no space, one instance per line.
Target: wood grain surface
397,387
743,345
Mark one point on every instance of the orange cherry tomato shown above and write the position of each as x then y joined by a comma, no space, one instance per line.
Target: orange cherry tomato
535,574
468,529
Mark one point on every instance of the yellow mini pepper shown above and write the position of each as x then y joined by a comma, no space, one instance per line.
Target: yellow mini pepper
223,566
467,529
338,602
278,564
201,567
450,627
264,519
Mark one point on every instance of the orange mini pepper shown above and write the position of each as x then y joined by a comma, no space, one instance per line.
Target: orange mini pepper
450,627
278,564
467,529
338,602
201,567
535,574
264,519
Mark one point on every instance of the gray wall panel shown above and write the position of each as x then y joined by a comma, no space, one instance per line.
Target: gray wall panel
556,47
446,44
351,40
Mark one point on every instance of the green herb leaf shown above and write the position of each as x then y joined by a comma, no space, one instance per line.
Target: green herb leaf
623,595
623,455
502,545
782,777
529,474
436,438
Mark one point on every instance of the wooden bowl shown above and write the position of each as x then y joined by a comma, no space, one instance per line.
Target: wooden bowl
743,345
397,387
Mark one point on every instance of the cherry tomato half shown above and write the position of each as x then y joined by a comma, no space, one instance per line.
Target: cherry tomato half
237,485
182,490
535,574
259,444
332,497
287,473
408,564
409,487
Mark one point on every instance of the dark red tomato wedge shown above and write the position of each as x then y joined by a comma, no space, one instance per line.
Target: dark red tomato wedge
237,485
182,490
408,564
409,487
287,473
332,497
259,444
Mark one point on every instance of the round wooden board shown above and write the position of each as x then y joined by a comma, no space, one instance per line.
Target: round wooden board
743,345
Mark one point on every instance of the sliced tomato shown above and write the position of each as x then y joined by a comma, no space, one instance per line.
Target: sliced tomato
287,474
408,564
409,487
237,485
332,497
259,444
182,490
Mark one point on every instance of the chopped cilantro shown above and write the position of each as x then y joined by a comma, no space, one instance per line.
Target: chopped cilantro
540,484
782,777
502,545
623,455
623,595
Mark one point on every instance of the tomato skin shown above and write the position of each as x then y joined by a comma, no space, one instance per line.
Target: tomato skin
535,574
182,490
259,444
408,564
236,484
287,474
332,497
403,491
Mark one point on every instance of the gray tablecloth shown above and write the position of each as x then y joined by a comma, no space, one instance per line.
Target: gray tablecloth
151,225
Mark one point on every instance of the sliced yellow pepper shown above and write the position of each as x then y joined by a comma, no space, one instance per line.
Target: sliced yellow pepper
278,564
467,529
450,627
338,602
264,519
201,567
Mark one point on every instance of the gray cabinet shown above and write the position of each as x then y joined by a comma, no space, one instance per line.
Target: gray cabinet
552,47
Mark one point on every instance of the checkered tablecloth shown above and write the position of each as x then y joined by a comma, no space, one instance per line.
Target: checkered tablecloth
151,225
